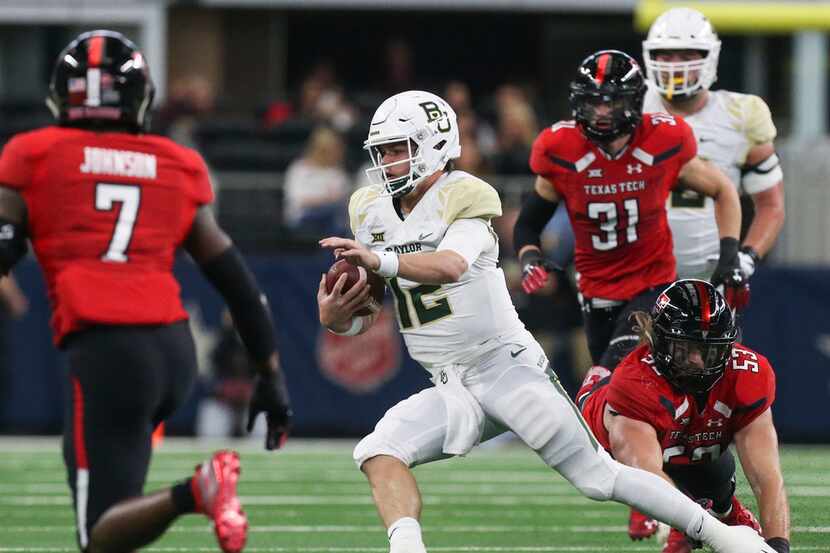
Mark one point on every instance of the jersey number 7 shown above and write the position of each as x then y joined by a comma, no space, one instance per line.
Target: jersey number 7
129,196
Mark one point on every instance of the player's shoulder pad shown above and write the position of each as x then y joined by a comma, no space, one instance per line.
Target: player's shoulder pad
34,142
464,196
753,376
359,204
635,388
190,157
563,143
752,116
663,137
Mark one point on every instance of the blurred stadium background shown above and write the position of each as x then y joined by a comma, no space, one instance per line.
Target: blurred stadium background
275,93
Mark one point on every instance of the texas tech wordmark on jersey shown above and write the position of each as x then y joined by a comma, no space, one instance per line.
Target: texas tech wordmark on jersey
617,206
691,429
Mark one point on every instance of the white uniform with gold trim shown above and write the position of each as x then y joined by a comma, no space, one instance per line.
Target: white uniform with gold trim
727,127
490,374
447,323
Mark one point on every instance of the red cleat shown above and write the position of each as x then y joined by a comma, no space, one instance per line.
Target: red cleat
741,516
214,488
641,526
677,543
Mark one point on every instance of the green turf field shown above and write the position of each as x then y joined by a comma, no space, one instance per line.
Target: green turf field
310,498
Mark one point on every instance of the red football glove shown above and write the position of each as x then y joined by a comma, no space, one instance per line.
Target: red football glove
535,270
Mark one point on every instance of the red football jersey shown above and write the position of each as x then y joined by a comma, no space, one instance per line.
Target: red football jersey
107,212
617,207
688,432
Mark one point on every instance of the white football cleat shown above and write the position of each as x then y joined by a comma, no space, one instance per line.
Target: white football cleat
741,539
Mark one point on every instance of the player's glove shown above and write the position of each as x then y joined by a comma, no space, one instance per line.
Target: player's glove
271,397
535,270
781,545
749,259
728,276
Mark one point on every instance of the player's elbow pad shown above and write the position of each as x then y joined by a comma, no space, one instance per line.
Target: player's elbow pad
535,213
12,244
230,275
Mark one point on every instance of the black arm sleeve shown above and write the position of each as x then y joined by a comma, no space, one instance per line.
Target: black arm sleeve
534,215
230,275
12,244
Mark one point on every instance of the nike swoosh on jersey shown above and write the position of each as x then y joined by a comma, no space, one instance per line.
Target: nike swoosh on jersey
422,236
517,352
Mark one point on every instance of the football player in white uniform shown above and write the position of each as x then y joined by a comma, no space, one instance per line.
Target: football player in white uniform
734,131
426,228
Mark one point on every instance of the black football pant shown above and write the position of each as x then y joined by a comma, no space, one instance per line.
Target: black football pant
123,381
714,480
610,330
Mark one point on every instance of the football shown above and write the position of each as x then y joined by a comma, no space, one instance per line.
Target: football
377,286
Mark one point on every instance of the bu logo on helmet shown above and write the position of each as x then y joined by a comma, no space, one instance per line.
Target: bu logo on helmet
434,113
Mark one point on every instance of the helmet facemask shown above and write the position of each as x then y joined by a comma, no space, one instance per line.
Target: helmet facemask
377,175
682,79
623,117
693,366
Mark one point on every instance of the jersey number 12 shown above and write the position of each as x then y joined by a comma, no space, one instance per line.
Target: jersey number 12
129,196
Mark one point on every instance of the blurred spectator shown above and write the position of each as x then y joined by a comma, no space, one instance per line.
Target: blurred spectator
316,185
320,102
223,412
400,67
517,128
191,98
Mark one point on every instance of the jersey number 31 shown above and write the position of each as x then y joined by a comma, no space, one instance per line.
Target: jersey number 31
606,214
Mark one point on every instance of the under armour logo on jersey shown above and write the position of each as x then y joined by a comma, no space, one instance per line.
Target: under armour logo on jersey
443,376
594,173
714,423
634,168
377,237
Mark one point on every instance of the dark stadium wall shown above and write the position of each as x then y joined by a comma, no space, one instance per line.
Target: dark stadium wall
340,387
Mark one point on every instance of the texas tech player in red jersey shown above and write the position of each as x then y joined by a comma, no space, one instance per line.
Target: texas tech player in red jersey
106,207
127,202
675,404
614,169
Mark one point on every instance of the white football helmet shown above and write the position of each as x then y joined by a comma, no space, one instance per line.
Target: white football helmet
681,29
428,126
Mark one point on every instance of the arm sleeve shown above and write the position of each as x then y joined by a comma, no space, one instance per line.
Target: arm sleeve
468,238
16,165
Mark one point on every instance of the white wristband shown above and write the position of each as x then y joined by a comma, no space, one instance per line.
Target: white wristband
354,330
389,264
